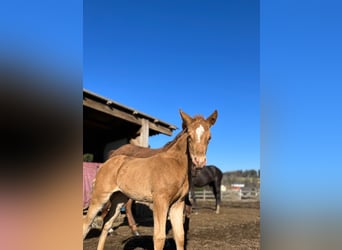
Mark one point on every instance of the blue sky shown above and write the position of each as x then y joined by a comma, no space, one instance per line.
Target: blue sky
198,56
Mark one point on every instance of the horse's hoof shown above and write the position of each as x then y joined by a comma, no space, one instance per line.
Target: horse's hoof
136,233
97,223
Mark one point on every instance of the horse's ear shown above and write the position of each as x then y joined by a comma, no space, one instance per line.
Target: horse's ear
186,119
212,118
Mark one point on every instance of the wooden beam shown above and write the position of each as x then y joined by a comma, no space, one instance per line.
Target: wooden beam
125,116
159,128
111,111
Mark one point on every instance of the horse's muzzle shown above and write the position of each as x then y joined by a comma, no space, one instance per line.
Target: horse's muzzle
199,162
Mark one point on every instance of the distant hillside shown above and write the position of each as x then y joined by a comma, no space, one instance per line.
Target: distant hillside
251,178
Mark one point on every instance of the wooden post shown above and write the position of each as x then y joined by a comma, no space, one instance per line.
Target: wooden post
143,134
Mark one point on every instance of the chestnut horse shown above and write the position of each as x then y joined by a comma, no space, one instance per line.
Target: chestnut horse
209,175
162,179
108,210
135,151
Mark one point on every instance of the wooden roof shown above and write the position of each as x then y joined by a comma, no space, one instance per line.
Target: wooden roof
106,114
105,121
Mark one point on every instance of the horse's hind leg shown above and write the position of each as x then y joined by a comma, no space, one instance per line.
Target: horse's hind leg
131,221
118,200
217,208
99,220
98,199
176,217
94,208
217,193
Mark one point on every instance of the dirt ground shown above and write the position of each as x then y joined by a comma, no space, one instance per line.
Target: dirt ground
236,227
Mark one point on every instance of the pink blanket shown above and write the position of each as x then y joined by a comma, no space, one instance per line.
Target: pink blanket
89,173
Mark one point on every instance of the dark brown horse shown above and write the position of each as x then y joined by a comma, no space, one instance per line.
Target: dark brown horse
210,175
162,179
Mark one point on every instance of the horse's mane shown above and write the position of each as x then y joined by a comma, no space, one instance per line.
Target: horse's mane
196,117
170,143
138,151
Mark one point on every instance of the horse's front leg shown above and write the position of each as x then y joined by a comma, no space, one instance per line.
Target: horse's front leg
160,209
193,195
176,217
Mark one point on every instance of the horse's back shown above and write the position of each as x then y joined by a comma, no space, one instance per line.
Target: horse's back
215,171
134,150
207,175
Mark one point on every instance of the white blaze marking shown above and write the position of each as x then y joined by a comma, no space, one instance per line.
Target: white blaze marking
199,133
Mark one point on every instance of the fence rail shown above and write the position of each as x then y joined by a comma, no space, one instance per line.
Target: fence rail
227,195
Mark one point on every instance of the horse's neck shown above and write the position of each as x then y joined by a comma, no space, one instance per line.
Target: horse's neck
179,150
